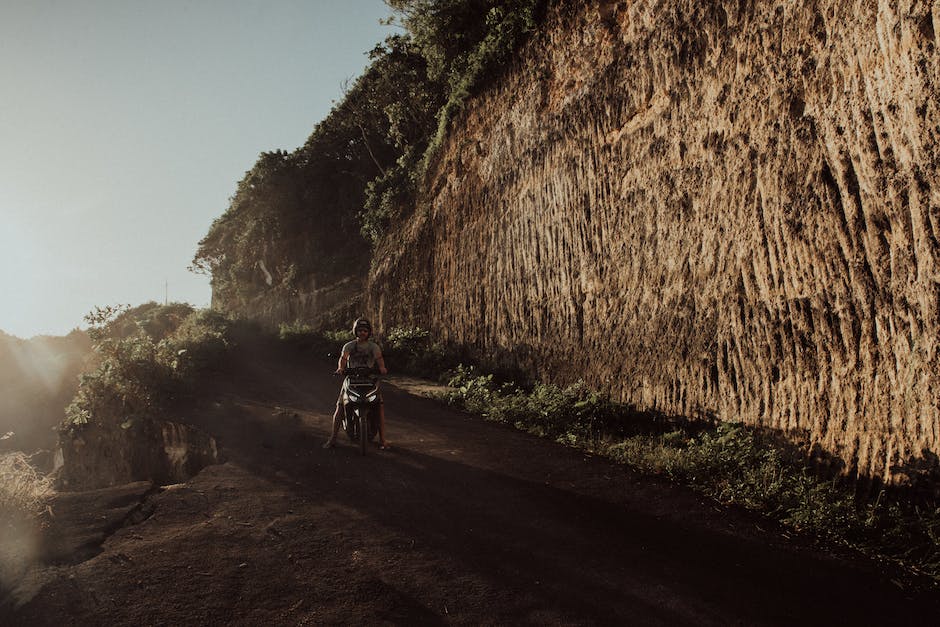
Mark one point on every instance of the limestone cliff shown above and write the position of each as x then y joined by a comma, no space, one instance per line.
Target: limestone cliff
724,207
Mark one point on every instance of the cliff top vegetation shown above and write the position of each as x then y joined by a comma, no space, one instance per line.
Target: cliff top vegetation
146,357
309,217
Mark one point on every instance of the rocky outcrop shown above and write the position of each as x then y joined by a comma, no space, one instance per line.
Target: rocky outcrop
95,456
720,207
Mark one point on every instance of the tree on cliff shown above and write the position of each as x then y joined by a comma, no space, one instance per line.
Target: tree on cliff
304,218
300,213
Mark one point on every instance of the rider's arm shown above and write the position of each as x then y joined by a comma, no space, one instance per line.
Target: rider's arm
381,362
341,364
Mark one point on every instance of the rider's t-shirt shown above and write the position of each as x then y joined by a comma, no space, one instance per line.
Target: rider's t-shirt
362,355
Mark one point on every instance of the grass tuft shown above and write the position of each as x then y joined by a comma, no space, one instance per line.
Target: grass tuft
23,490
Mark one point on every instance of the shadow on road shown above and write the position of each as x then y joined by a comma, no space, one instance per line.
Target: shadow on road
534,531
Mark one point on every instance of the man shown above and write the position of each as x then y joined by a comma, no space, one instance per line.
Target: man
361,352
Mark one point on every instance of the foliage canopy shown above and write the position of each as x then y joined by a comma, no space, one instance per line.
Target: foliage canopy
309,217
145,358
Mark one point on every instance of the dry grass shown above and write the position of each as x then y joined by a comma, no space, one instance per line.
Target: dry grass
23,496
23,490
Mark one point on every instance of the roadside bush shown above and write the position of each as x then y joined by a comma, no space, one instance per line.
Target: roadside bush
197,345
294,331
569,414
412,350
143,365
337,337
129,379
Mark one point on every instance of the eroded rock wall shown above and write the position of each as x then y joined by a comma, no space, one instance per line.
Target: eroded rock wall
706,207
142,449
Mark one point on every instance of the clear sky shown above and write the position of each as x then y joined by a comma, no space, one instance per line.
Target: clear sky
125,126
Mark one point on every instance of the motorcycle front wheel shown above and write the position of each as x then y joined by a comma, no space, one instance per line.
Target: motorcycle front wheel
363,431
351,425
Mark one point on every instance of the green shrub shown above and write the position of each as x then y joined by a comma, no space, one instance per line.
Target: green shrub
386,195
296,333
407,344
507,27
338,337
146,358
197,344
568,414
414,351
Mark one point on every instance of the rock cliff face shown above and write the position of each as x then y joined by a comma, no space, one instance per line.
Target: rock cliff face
728,208
142,449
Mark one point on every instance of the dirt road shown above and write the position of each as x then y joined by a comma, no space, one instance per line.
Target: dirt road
462,522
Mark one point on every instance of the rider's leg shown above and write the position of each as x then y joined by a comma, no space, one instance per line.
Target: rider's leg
337,419
336,425
382,440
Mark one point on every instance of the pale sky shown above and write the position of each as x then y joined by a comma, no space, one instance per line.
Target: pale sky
125,126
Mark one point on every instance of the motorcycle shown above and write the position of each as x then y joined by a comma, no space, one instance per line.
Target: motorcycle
360,396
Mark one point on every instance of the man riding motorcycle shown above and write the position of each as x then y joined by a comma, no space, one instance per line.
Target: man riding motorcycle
361,352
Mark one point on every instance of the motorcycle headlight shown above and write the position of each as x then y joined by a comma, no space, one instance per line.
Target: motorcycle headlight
371,398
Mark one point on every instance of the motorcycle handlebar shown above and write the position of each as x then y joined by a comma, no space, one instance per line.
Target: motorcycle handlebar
360,371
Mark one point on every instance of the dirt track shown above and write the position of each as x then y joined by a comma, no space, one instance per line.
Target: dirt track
463,522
